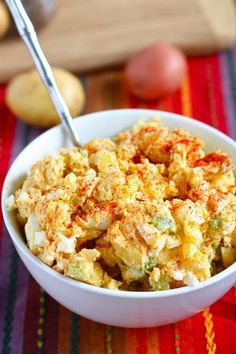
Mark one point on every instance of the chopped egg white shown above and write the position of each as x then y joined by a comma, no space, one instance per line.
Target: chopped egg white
40,238
190,279
66,244
10,203
178,274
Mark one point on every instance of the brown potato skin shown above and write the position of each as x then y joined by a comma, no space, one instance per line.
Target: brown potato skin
155,71
4,20
28,99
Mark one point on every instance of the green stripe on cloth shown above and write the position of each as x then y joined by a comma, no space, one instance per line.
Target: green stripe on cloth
74,334
11,296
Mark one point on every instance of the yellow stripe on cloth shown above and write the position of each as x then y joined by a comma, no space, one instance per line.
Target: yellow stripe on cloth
109,339
41,320
185,97
209,331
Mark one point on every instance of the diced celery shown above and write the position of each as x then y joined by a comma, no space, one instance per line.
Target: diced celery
163,223
163,284
149,264
215,223
83,153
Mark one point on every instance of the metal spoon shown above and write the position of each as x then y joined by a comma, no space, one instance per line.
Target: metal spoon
28,34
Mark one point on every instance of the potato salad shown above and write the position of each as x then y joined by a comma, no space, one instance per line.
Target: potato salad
146,210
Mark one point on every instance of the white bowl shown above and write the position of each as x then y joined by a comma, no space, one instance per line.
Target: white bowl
118,308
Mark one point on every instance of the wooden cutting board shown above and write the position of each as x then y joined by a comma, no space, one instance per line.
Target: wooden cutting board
89,34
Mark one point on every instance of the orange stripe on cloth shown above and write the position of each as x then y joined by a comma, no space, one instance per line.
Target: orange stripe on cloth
106,91
124,97
92,337
118,340
111,89
95,89
185,97
64,331
153,345
131,341
115,90
209,331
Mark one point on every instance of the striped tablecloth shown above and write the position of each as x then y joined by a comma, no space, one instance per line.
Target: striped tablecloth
31,321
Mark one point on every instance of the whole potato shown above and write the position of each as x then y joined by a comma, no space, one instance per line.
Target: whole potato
155,71
29,100
4,19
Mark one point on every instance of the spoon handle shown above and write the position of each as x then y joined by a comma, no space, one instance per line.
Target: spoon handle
28,34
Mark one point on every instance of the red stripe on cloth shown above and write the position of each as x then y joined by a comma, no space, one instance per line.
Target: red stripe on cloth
230,296
206,91
133,101
199,90
166,103
186,342
198,334
170,103
2,94
31,318
7,129
175,102
153,104
142,341
224,309
166,339
225,338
